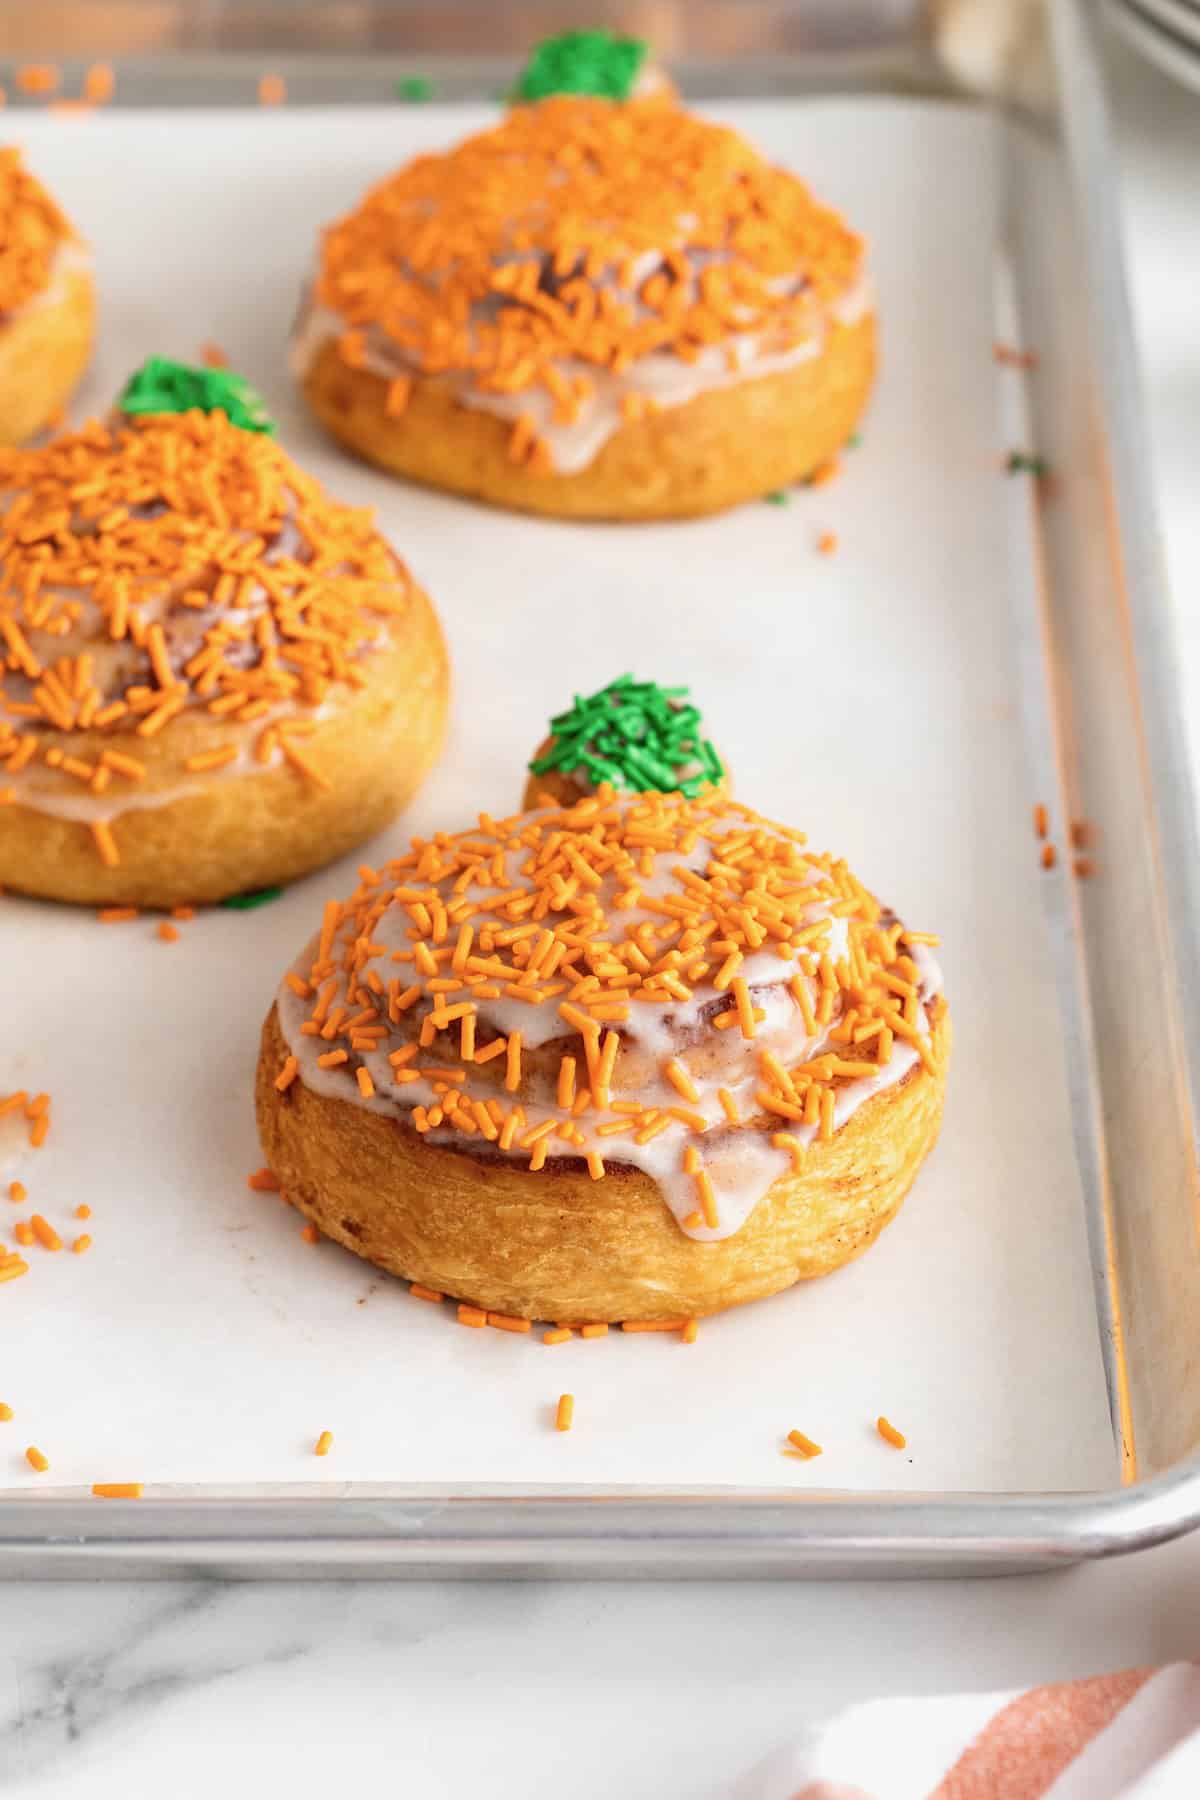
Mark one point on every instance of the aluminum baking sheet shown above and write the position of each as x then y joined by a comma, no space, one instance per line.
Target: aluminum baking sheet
872,697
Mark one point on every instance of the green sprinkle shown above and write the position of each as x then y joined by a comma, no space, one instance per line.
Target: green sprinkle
634,735
414,88
582,62
1021,464
779,498
247,902
163,386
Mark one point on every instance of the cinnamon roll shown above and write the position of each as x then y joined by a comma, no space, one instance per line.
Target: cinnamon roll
638,1058
603,307
47,304
214,678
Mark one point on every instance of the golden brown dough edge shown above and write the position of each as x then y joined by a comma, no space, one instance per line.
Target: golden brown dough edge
557,1245
234,833
724,447
44,350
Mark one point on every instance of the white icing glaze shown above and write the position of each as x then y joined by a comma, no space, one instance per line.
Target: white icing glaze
741,1162
663,378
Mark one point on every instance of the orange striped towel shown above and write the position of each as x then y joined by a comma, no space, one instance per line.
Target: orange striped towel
1132,1736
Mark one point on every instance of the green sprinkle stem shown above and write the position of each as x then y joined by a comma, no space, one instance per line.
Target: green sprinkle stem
1021,464
247,902
634,735
582,62
163,386
779,498
414,88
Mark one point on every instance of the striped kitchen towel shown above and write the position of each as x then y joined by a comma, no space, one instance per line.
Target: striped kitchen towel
1132,1736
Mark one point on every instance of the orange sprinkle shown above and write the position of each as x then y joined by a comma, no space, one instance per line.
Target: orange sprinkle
38,78
1041,820
272,90
16,1192
263,1181
99,84
6,1412
10,1270
597,1330
512,1074
502,1322
564,1416
287,1075
167,932
310,1234
366,1086
889,1434
23,1232
117,1490
82,1244
116,915
827,543
691,1331
105,843
36,1460
1049,856
425,1293
681,1081
83,1211
804,1444
824,473
324,1444
708,1200
1084,867
559,1336
654,1325
213,357
473,1316
45,1233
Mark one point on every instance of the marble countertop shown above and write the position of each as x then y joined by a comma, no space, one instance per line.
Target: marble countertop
585,1690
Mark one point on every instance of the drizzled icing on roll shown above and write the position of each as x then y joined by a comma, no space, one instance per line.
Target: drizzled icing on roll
169,565
583,263
676,985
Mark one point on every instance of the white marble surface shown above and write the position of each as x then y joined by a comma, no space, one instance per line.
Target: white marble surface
649,1691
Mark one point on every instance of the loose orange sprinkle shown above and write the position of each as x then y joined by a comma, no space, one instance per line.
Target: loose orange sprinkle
425,1293
12,1268
564,1416
473,1316
38,78
889,1434
36,1460
502,1322
99,84
23,1232
804,1444
167,932
324,1444
559,1336
1084,867
263,1181
598,1330
827,543
6,1412
117,1490
310,1234
1049,856
691,1331
1041,820
83,1211
654,1325
272,90
82,1244
45,1233
16,1192
116,915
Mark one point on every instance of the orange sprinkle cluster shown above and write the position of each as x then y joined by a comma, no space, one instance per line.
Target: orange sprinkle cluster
582,232
31,230
176,562
35,1110
534,908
